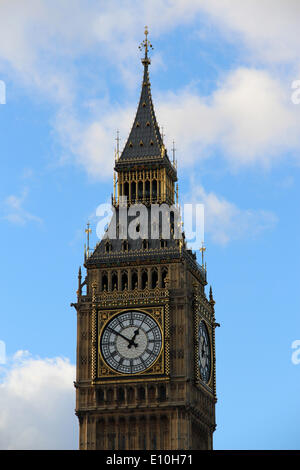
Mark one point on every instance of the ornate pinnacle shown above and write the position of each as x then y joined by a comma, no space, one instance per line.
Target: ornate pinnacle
146,45
79,282
211,299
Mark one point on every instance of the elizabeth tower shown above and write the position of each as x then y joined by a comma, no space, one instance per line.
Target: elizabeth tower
145,328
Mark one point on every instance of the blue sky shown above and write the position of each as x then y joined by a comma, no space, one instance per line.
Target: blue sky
221,75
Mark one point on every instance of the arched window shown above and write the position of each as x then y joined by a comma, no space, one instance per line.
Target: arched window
141,393
147,189
134,280
110,395
130,395
104,281
151,393
163,243
124,280
154,279
144,279
126,189
114,280
120,395
164,274
154,189
125,245
162,393
100,396
140,190
133,190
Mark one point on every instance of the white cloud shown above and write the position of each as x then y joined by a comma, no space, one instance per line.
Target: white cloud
250,118
224,221
15,212
37,404
270,28
92,144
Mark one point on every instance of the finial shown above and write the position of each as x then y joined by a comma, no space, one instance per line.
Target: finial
114,188
202,249
173,151
79,291
118,145
88,230
162,133
211,298
147,45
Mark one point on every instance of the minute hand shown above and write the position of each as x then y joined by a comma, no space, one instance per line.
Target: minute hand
120,334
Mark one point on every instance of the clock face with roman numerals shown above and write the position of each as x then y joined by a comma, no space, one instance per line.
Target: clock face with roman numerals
131,342
204,360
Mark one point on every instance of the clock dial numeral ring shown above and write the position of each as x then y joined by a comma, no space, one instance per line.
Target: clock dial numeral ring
204,356
131,342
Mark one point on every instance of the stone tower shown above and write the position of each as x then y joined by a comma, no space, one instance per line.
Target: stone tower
145,328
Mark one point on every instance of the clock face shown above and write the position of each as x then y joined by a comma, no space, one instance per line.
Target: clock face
131,342
204,353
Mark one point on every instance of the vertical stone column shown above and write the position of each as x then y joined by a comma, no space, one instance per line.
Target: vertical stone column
129,279
109,288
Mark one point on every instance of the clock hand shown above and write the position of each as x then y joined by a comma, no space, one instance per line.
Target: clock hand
117,333
132,339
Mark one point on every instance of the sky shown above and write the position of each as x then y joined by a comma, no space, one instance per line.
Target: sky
225,80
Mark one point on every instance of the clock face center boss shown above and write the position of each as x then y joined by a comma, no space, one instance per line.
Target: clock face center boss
131,342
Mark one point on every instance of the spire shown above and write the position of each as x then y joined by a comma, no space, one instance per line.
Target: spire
144,142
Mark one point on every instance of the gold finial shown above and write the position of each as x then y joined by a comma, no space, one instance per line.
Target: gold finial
114,187
147,45
88,230
173,151
203,249
118,146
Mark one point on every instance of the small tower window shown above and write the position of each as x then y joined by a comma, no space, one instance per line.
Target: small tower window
125,245
148,124
144,104
151,142
141,143
137,124
130,144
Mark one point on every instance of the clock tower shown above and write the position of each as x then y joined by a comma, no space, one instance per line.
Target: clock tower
145,376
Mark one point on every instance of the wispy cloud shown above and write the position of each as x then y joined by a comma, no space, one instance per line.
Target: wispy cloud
224,221
14,211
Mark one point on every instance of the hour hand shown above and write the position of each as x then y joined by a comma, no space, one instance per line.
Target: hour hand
132,343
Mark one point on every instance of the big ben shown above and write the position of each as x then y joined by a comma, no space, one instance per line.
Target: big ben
145,376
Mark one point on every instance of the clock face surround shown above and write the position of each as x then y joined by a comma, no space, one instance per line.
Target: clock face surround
131,342
204,359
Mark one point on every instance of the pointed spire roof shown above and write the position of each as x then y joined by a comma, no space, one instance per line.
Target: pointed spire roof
145,142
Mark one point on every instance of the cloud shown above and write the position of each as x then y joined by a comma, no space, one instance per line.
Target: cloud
37,404
270,28
225,222
249,118
15,212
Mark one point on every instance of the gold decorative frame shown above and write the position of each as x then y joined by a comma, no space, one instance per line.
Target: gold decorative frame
106,305
201,314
